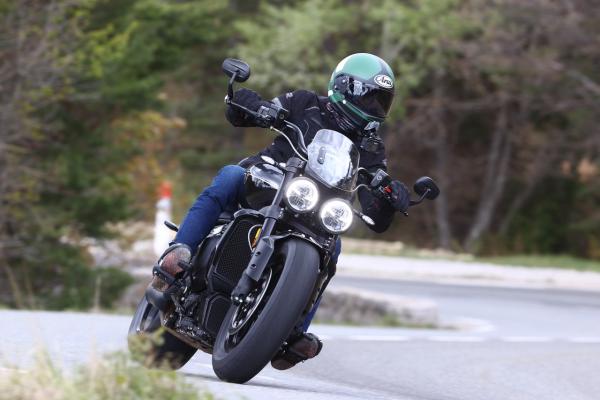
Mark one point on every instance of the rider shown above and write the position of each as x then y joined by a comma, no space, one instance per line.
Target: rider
360,94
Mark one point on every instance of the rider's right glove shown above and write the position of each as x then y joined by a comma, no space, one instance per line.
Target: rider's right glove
399,196
248,98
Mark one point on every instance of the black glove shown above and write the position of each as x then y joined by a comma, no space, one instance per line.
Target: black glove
399,196
248,98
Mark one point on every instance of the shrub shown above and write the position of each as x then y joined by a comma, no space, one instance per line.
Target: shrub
112,377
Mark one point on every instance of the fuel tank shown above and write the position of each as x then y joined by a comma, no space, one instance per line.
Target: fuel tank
261,182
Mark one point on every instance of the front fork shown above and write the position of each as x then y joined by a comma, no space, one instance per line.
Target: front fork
265,247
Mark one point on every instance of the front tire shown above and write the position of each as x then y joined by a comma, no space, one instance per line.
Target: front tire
275,321
151,346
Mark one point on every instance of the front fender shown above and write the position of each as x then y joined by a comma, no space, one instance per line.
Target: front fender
266,248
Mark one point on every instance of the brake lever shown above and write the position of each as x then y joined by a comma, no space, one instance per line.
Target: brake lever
230,102
265,116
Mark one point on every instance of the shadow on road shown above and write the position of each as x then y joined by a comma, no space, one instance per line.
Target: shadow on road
316,387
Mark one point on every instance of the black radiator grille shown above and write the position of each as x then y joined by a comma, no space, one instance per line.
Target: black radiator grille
214,313
234,254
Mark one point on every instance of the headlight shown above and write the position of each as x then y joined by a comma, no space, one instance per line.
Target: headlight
302,195
336,216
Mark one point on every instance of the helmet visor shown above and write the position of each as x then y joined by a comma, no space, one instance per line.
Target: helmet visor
370,99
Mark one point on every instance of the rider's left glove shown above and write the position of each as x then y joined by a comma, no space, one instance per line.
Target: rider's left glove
399,196
248,98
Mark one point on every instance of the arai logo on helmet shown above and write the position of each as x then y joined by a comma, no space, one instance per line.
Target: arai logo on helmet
384,81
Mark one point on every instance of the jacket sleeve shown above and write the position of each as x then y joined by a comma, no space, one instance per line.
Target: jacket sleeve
380,210
295,103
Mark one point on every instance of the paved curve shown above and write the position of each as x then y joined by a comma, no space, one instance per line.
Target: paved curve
527,344
511,311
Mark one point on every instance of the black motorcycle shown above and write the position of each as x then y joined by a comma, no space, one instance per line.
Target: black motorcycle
252,281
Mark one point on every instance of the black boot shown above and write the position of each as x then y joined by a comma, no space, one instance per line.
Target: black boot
297,350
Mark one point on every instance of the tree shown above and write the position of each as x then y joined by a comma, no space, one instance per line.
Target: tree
494,95
76,77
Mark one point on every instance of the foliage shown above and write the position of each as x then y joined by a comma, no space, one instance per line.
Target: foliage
493,96
79,79
102,99
69,282
321,33
114,377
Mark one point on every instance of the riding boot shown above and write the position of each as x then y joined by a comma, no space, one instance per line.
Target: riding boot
299,349
169,267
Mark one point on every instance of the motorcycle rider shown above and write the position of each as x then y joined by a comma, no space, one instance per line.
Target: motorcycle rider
360,94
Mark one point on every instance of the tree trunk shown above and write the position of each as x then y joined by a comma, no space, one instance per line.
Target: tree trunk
494,180
441,151
441,203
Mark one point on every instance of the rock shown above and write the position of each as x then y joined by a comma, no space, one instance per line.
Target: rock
361,307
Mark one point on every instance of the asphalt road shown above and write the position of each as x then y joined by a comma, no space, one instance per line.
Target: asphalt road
522,344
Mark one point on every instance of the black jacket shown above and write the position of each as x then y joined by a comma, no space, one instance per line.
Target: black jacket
310,112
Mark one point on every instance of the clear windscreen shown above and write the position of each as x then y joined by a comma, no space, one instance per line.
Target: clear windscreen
333,159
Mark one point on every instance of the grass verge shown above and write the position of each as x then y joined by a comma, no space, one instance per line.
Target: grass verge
398,249
544,261
115,377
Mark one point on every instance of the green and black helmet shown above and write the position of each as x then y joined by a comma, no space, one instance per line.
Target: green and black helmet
361,89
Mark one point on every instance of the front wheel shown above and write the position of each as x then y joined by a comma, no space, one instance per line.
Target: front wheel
286,293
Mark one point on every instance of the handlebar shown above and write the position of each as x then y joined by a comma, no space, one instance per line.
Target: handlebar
274,117
380,186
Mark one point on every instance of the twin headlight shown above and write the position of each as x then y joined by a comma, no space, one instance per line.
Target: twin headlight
302,195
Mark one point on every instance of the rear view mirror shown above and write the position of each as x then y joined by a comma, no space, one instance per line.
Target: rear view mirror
238,67
424,183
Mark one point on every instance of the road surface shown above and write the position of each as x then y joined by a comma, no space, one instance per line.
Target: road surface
520,344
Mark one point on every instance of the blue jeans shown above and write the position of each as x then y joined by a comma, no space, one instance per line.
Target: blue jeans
223,194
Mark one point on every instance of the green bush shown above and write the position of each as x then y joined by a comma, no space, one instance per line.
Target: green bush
112,377
61,278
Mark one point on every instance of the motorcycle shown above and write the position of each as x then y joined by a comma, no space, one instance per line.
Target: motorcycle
255,277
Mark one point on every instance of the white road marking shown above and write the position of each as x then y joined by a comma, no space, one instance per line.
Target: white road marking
452,339
463,339
584,339
378,338
527,339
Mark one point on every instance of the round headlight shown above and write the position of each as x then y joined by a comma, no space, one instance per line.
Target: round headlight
302,195
336,216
